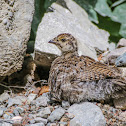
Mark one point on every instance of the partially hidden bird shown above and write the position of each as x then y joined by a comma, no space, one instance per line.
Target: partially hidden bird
77,78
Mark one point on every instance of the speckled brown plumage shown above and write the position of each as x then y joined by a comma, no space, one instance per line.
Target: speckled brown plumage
78,78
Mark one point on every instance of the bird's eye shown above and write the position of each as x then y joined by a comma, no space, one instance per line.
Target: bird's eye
63,40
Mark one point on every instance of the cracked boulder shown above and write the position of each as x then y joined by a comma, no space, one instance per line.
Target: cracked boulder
15,26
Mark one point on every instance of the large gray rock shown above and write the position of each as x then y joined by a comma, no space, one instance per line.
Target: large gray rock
15,26
86,114
74,21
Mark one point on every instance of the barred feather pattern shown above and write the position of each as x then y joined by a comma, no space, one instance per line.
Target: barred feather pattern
80,78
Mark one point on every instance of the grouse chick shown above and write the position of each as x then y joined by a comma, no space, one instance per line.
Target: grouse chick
78,78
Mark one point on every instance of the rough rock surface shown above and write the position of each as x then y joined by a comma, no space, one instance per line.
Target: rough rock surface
15,26
86,114
74,21
110,57
56,114
121,43
121,60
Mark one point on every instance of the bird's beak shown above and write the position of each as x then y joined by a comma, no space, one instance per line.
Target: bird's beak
51,41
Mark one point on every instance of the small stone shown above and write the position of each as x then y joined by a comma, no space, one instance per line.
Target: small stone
120,103
51,124
70,115
5,124
20,110
63,123
8,115
121,60
31,97
41,101
107,107
121,43
57,106
1,112
18,100
65,104
56,114
33,108
36,124
15,112
44,112
39,120
51,108
122,116
64,119
32,121
32,116
17,120
4,97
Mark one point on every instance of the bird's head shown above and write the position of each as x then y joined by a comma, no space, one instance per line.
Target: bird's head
65,42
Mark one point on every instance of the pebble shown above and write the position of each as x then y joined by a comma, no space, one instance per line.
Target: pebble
56,114
112,115
44,112
31,97
20,110
18,100
15,112
121,43
65,104
36,124
52,124
70,115
63,123
32,121
5,124
8,115
4,97
1,112
32,116
39,120
122,116
41,101
121,60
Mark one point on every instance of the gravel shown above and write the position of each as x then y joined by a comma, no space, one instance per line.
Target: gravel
58,114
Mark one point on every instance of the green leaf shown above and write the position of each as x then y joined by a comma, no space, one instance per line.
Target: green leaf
122,31
89,5
102,8
117,3
112,27
39,12
119,13
48,3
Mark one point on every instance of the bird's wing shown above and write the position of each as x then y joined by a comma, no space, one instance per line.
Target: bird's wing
93,70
